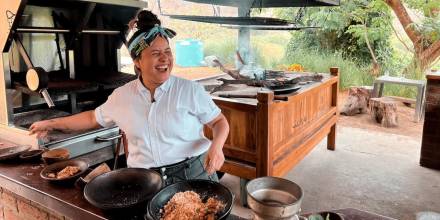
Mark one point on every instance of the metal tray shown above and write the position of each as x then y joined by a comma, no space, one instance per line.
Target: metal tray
268,27
278,90
233,20
269,3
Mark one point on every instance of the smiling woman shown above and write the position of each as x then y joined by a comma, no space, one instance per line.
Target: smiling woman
162,115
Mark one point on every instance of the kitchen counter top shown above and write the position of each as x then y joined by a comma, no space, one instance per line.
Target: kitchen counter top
23,179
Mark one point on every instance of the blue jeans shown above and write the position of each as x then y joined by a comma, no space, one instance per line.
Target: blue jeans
191,168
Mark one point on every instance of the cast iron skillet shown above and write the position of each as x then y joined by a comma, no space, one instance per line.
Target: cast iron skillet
205,188
123,188
12,152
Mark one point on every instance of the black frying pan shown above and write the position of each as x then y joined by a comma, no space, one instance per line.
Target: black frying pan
12,152
123,188
37,80
205,188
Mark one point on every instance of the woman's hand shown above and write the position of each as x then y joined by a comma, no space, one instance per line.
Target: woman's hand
79,122
41,128
220,130
214,160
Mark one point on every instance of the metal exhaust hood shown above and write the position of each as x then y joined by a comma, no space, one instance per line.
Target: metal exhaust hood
269,3
234,20
290,27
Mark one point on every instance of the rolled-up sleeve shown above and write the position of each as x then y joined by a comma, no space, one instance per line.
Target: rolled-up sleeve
205,108
104,113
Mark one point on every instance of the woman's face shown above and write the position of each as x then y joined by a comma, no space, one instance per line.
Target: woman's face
155,62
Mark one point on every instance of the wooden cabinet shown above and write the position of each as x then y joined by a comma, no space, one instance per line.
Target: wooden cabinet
430,152
269,137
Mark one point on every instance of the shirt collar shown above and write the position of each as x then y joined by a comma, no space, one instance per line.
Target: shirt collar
163,88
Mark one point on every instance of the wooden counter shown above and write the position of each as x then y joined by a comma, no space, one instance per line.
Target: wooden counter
21,182
25,195
269,137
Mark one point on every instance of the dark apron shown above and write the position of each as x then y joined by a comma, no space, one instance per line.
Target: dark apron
191,168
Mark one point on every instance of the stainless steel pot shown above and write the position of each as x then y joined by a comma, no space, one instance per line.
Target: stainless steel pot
274,198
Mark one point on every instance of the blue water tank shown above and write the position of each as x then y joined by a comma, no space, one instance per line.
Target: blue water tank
189,53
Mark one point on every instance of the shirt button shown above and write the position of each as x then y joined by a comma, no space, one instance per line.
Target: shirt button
164,177
163,169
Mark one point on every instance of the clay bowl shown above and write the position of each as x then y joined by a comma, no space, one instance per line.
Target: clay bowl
57,167
31,155
55,155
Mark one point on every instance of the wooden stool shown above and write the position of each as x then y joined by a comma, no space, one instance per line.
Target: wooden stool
384,111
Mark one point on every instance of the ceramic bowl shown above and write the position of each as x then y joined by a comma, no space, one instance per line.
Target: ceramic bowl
55,155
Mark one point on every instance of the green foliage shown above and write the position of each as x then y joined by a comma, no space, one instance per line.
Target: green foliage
424,6
315,60
267,49
223,48
344,29
429,28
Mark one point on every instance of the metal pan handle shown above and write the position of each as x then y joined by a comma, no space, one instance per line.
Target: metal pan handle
104,139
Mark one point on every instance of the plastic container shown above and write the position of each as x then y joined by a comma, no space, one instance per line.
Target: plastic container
189,53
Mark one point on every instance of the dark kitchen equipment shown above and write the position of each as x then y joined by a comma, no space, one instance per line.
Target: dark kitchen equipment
283,89
36,77
12,152
204,188
57,167
269,3
74,55
274,198
233,20
270,27
31,155
126,188
278,98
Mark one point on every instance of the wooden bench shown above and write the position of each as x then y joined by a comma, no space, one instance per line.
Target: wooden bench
420,84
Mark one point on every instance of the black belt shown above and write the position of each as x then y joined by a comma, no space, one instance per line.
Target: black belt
171,169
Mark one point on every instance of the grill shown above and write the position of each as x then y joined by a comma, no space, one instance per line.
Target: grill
76,47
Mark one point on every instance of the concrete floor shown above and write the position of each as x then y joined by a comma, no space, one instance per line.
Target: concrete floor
371,171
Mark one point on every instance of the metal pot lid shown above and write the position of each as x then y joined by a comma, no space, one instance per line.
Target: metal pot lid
234,20
269,3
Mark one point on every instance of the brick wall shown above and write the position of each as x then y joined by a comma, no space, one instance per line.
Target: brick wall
14,207
430,152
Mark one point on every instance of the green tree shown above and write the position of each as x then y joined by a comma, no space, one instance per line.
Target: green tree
358,28
425,35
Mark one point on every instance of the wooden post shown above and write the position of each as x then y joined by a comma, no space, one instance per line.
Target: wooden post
430,152
264,166
331,138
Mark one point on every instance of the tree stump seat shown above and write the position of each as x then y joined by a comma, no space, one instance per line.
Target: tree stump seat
384,111
357,101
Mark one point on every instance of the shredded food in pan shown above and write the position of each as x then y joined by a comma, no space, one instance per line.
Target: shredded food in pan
64,173
188,205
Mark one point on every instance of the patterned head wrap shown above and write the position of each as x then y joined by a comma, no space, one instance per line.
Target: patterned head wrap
144,39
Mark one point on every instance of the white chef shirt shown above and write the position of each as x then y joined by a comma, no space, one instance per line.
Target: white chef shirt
165,131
